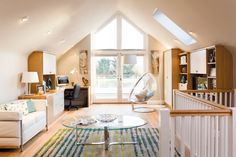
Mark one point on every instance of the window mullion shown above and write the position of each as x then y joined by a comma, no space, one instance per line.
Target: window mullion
119,33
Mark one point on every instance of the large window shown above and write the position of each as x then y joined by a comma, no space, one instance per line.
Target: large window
113,80
106,38
119,33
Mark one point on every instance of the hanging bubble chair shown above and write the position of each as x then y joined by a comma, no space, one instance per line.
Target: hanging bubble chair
143,90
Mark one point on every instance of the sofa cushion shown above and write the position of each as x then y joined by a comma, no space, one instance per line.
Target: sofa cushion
33,118
30,106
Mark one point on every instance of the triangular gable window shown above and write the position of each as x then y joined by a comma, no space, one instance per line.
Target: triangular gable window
132,38
119,33
106,38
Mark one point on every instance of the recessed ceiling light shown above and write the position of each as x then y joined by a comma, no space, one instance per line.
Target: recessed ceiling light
49,32
62,41
24,19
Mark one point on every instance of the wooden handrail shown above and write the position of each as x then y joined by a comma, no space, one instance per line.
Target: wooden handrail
175,113
208,91
209,103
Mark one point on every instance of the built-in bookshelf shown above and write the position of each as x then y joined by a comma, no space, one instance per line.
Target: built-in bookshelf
211,68
184,71
219,65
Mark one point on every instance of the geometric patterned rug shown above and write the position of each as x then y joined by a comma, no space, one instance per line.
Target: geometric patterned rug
63,144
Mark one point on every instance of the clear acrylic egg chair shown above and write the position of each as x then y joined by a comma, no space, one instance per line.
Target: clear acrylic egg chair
143,90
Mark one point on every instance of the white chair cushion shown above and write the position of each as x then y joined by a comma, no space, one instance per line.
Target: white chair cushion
141,95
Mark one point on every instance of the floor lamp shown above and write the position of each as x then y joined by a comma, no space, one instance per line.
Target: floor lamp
29,77
130,59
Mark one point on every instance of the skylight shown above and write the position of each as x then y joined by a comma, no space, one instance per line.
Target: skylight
173,28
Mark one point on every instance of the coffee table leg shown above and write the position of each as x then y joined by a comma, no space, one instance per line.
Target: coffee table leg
106,142
106,138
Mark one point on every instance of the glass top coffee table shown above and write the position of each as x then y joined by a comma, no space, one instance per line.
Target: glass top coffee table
105,122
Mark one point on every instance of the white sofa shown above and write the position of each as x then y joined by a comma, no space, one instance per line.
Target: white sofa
16,129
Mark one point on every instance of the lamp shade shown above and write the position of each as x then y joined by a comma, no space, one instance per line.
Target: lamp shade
30,77
130,59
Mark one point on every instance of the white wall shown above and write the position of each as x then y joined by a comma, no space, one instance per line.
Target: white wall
12,65
156,45
70,60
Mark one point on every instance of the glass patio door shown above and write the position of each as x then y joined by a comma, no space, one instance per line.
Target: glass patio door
106,85
114,80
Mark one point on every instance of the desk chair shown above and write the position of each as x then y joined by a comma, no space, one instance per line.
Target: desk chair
72,97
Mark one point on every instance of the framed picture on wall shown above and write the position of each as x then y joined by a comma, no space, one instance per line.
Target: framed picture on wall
155,62
83,62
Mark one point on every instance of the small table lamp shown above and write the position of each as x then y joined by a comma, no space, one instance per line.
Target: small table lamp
29,77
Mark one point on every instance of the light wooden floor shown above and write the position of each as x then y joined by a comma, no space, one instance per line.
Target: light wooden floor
31,147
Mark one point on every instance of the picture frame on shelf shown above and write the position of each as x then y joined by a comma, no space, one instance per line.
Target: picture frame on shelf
183,59
40,89
213,72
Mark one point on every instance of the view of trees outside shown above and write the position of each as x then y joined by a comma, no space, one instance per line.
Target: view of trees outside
106,76
107,67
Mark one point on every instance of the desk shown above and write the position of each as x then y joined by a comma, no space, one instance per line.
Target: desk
84,92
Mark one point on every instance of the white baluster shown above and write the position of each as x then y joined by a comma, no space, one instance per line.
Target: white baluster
208,136
221,98
172,153
226,136
204,137
182,137
216,136
226,99
212,123
230,99
222,141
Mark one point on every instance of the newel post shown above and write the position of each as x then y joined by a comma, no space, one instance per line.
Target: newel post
165,137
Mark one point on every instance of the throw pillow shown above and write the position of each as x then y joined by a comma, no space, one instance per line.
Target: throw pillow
31,107
19,106
3,107
149,95
141,95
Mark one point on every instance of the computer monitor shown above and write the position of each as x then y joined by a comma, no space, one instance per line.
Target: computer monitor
62,80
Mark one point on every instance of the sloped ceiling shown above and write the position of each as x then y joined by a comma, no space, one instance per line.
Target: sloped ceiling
57,25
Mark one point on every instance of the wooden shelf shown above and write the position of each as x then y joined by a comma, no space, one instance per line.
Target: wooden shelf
211,77
183,53
183,64
211,63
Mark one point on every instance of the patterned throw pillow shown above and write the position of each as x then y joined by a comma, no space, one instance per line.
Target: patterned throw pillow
3,107
18,106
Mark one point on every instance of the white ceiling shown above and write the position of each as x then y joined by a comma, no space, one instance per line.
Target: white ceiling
213,21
